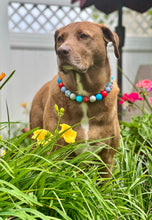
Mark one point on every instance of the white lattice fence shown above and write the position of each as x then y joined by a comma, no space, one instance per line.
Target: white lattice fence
138,24
43,18
25,16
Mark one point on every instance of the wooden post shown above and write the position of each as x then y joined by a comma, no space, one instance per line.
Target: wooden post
120,30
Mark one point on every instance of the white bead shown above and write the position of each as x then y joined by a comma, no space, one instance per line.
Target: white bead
92,98
72,96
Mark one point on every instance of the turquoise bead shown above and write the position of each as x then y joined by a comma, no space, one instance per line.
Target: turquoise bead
79,98
109,84
59,80
98,97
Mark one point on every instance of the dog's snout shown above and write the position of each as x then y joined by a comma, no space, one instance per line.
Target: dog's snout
63,51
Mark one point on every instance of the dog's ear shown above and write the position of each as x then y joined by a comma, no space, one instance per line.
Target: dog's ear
110,36
55,38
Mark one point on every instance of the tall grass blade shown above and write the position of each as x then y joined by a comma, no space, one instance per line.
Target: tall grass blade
8,78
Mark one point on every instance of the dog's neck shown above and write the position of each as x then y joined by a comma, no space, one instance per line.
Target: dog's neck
80,89
87,83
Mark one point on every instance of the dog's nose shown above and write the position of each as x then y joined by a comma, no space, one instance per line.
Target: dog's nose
63,51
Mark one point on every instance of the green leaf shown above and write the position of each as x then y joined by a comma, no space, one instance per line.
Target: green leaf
7,79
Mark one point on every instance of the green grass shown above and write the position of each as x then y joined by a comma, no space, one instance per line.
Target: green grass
37,183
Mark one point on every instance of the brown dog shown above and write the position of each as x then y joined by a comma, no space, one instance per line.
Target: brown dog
84,70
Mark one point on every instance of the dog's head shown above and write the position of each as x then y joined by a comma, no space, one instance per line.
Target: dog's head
82,45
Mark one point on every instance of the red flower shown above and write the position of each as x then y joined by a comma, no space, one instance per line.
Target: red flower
132,97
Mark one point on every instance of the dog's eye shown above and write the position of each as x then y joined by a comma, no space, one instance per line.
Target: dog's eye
60,38
84,36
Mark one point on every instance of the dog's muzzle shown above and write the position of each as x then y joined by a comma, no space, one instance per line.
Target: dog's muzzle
69,61
63,51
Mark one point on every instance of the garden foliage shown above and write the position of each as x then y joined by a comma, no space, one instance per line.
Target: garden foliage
39,183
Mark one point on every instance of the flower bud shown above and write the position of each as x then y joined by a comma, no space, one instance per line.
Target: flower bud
62,110
56,108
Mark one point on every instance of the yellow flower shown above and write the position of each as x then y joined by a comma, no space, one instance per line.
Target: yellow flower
2,76
42,136
68,135
4,152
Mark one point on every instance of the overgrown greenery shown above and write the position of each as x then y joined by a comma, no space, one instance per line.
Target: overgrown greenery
37,183
138,132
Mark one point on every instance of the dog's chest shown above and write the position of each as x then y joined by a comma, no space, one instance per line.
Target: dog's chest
84,107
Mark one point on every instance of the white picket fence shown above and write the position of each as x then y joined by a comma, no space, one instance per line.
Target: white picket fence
27,45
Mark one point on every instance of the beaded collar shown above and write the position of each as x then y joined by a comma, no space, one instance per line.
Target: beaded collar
80,98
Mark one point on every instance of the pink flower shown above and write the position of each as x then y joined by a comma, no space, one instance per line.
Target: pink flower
132,97
123,99
139,84
150,88
150,100
146,83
